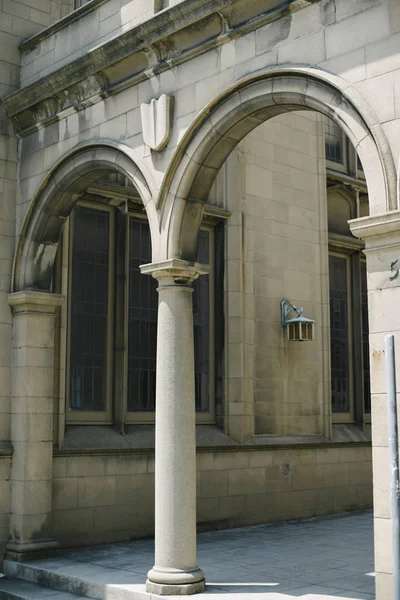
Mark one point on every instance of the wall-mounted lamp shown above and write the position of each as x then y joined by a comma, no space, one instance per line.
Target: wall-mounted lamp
299,329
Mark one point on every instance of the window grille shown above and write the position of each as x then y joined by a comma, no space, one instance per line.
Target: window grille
339,326
89,309
93,285
334,143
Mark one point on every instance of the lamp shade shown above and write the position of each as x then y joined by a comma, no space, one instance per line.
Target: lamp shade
299,328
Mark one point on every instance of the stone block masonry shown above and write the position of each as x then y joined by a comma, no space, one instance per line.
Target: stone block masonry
97,499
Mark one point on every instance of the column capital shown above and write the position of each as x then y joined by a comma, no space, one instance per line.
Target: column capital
379,231
32,301
178,271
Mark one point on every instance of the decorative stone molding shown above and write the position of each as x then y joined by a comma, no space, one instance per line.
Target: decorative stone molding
31,301
56,197
243,106
382,247
105,70
179,271
76,14
376,226
157,122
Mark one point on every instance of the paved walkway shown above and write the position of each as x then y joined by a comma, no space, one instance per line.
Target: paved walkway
328,558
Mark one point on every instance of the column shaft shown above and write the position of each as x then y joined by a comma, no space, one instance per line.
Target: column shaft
175,570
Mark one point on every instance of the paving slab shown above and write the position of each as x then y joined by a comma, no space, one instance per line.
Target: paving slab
326,558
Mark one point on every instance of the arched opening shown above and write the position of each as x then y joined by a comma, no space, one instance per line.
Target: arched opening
289,199
209,145
57,195
243,107
88,229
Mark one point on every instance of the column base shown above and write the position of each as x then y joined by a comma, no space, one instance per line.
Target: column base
175,582
31,550
168,589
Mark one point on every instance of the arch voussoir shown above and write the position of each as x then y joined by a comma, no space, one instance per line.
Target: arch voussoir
242,107
55,199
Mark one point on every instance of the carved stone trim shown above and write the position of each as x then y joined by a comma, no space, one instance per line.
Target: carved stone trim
76,14
181,272
376,225
157,122
105,70
31,301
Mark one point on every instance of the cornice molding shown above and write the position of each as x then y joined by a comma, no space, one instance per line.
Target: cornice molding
76,14
34,301
374,226
154,46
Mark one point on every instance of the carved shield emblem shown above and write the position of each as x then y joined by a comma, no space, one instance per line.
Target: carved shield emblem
157,121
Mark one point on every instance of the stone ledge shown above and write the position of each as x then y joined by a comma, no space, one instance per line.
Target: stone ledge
376,225
76,14
87,79
140,439
34,301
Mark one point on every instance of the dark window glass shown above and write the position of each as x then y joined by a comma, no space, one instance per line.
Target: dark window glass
143,304
142,321
365,339
89,309
339,322
334,150
201,319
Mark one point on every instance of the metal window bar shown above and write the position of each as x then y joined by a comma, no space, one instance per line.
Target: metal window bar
89,309
339,327
334,143
142,324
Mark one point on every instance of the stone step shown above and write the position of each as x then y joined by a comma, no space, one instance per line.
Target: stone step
85,580
18,589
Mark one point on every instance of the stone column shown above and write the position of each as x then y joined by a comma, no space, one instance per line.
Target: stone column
175,570
32,423
382,239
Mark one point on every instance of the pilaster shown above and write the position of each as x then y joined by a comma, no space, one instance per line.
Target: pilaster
32,423
382,248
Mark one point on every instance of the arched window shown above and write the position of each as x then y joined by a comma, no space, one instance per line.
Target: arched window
111,336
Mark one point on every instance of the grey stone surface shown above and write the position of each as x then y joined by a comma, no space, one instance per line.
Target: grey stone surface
286,561
12,589
136,436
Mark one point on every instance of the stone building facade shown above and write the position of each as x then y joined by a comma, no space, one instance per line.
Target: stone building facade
215,152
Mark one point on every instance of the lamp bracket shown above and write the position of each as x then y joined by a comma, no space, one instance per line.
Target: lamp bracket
286,308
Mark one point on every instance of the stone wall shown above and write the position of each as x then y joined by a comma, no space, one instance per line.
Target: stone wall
5,468
284,255
110,497
18,21
357,41
80,37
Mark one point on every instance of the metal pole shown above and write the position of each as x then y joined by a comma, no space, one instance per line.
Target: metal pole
393,461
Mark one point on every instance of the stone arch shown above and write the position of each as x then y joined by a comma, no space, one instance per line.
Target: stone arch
56,197
242,107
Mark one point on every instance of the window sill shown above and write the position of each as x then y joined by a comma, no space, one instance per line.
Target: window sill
348,432
95,439
137,437
343,433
